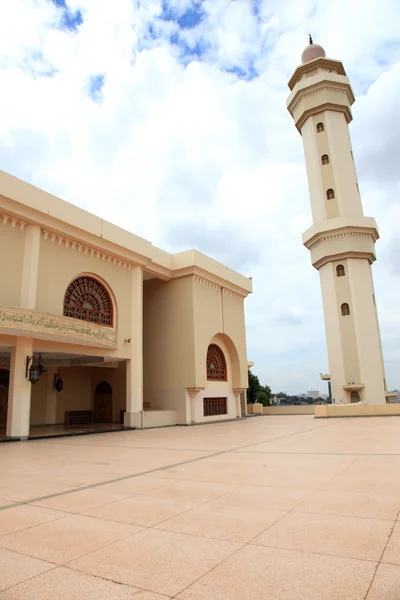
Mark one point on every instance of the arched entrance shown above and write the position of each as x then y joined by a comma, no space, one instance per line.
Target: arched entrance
103,403
355,397
4,381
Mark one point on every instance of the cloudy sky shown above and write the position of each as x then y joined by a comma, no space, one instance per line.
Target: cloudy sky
168,118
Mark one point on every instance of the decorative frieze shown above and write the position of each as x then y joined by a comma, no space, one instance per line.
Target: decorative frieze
44,323
61,240
9,220
317,90
232,294
206,282
344,234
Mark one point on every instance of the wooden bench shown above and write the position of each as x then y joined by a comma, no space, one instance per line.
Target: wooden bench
78,417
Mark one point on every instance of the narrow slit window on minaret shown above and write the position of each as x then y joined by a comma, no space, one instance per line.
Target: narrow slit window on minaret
340,272
330,194
325,159
320,128
345,309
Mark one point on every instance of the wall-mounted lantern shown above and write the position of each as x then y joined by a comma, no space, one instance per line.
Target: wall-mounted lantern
58,382
34,368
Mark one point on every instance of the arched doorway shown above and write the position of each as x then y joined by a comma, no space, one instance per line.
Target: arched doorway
103,403
355,397
4,381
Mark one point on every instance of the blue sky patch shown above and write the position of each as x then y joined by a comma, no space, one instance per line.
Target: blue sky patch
96,83
187,52
247,74
191,17
70,20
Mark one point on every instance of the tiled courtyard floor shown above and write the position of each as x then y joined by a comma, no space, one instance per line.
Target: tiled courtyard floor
282,508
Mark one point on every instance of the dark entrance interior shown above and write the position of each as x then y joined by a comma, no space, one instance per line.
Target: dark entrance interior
102,412
4,381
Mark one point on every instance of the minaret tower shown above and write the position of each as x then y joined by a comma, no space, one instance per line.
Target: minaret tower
341,240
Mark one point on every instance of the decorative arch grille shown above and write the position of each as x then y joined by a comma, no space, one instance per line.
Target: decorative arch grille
88,300
216,364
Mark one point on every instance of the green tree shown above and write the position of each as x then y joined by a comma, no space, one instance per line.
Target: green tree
254,388
267,391
263,399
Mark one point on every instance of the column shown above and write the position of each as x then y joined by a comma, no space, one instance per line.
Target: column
51,397
133,416
30,267
237,392
19,394
191,409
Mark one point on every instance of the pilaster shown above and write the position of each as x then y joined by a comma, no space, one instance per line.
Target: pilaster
19,393
30,267
134,366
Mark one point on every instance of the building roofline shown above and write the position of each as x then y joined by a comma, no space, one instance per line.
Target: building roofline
30,204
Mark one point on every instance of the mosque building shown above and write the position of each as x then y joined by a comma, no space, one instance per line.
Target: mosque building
99,328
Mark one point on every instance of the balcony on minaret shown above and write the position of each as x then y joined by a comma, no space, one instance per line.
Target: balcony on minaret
319,85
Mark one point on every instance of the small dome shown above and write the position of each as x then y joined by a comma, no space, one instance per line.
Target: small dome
312,52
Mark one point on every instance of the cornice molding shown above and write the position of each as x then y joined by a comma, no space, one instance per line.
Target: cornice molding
62,240
313,92
7,219
210,284
343,234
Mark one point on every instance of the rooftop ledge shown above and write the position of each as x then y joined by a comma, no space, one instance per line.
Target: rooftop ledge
30,204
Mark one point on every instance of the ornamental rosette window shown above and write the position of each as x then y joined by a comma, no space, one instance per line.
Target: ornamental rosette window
216,364
88,300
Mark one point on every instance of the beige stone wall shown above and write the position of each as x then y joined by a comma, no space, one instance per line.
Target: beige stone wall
369,342
216,389
289,410
217,312
357,410
38,401
168,343
11,256
59,265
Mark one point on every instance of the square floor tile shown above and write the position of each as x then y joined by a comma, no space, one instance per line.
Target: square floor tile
15,568
160,561
256,573
392,552
268,497
352,504
329,534
192,491
26,491
141,510
386,585
66,584
236,523
67,538
136,485
77,502
25,516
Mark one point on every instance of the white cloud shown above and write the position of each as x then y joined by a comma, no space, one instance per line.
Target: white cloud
177,140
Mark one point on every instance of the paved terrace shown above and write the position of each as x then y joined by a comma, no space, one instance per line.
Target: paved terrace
283,508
